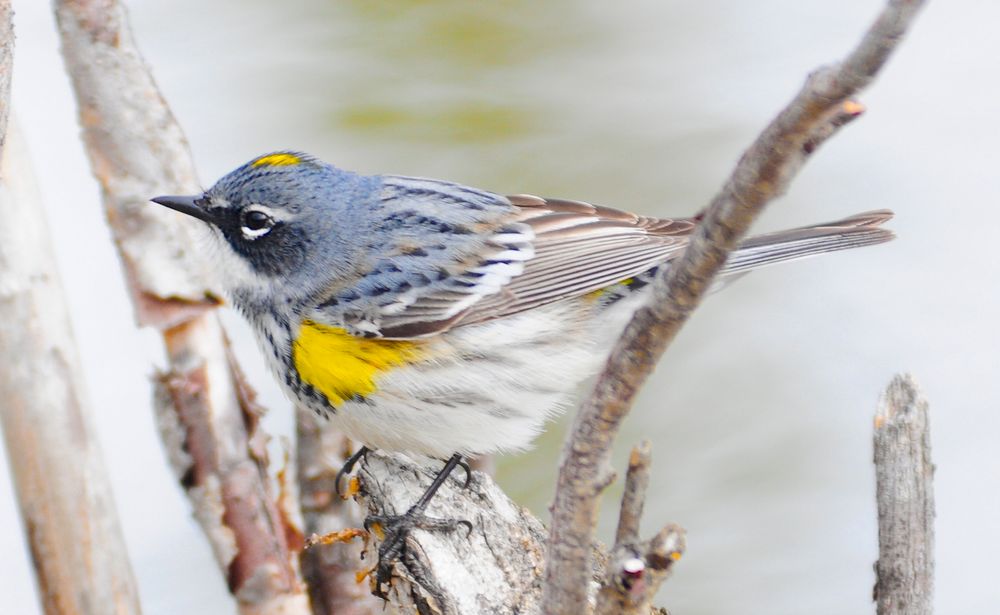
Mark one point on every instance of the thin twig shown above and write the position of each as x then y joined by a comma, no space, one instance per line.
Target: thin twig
762,174
905,494
636,569
204,407
77,547
634,496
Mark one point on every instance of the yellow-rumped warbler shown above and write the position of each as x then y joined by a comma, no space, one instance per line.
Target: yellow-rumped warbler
428,317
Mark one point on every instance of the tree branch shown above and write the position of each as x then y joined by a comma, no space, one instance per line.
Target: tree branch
762,174
905,494
6,66
78,551
637,569
497,568
205,409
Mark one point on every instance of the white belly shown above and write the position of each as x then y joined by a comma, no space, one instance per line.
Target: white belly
488,388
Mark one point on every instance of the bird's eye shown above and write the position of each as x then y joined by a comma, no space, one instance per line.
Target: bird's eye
255,223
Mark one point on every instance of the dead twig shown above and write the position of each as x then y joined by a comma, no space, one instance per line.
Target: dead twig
636,568
905,494
762,174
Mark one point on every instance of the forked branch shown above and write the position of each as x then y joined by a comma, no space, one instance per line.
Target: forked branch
762,174
637,568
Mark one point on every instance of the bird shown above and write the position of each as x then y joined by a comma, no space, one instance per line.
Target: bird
439,320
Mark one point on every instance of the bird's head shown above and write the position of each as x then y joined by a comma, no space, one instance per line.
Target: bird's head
283,218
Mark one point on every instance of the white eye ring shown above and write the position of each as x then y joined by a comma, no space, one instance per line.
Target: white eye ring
255,222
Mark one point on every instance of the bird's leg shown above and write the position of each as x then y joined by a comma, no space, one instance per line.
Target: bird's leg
396,527
349,466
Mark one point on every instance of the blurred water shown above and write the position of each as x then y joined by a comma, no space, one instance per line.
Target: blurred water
760,413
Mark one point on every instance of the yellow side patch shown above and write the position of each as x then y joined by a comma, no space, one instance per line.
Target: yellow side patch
277,160
594,295
341,365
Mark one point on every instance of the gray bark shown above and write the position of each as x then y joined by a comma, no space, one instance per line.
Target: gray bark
76,544
904,491
497,568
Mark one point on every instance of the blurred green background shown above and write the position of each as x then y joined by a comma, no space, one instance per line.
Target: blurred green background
760,414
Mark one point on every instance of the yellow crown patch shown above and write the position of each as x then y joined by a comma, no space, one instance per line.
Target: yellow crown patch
283,159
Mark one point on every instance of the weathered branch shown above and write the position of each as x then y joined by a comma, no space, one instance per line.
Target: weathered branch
136,150
76,544
6,66
329,569
496,568
904,490
762,174
205,409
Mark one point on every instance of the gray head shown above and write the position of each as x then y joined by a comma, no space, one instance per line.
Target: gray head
284,219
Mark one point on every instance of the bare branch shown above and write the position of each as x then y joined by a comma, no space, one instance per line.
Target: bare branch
205,409
761,175
329,569
77,547
634,496
6,66
137,150
637,569
904,490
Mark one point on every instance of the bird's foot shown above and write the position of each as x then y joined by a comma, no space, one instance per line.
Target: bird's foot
392,530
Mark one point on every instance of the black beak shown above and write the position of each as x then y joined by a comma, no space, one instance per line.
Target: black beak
190,205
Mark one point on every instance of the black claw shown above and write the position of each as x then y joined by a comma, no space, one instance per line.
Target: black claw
468,473
397,527
347,467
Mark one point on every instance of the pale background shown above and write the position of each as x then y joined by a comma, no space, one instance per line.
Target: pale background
761,412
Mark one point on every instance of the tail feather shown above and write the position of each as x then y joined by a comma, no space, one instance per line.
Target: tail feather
854,232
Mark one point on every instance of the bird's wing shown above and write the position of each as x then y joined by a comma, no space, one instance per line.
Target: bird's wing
580,248
468,256
548,250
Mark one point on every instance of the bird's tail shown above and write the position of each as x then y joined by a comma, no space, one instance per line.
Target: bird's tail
862,229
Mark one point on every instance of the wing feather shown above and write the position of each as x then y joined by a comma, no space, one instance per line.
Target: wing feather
576,248
553,249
